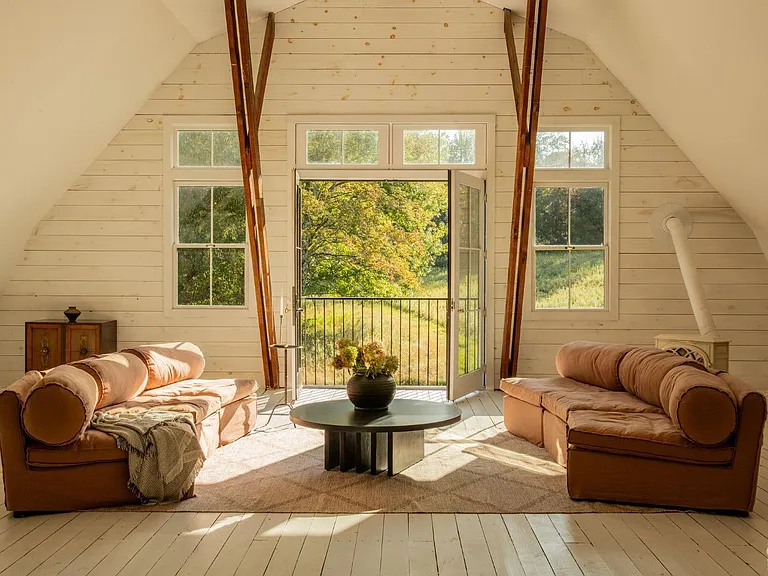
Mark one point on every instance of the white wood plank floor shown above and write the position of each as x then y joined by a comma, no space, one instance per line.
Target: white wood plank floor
188,543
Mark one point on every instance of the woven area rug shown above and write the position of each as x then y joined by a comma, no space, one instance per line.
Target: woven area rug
282,471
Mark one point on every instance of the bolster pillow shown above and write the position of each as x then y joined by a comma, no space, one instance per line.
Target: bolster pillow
701,405
592,363
170,363
642,371
58,409
120,377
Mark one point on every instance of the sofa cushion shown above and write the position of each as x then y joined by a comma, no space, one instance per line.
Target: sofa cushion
642,370
59,407
201,398
701,405
643,435
170,363
92,447
530,390
562,402
592,363
120,376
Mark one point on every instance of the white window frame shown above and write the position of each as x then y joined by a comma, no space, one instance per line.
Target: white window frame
391,148
175,176
398,144
486,140
607,177
301,145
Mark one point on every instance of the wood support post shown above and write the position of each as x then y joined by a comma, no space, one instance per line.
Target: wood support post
248,107
527,107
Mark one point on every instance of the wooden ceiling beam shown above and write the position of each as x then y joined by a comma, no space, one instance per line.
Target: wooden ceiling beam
528,119
248,107
514,67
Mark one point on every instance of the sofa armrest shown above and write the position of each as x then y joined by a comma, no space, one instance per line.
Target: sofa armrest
13,445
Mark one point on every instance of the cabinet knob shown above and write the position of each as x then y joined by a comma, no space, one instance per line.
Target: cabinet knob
44,351
83,352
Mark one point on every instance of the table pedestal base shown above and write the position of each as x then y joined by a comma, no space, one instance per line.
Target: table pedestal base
374,451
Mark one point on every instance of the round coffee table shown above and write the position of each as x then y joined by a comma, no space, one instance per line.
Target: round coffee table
360,440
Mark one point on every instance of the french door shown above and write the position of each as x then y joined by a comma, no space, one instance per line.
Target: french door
466,274
296,302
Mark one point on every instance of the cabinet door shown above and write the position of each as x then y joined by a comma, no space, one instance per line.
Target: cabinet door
81,342
43,346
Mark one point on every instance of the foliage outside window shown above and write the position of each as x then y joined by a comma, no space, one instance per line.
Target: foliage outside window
374,238
570,149
570,247
210,246
435,147
343,147
202,148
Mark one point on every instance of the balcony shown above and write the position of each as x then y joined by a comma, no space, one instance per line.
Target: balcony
413,329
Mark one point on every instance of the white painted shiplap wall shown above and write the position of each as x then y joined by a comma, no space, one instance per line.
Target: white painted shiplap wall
101,247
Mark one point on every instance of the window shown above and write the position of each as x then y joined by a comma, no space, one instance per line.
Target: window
569,242
208,148
439,146
210,246
570,149
391,145
574,221
341,146
207,243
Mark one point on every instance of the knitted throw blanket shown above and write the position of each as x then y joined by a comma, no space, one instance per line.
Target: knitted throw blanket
164,453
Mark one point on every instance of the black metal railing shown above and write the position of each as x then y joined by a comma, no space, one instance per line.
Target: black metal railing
413,329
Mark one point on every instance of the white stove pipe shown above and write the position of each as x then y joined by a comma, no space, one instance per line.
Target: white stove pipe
678,229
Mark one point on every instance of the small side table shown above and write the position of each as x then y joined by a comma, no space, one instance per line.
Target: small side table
285,348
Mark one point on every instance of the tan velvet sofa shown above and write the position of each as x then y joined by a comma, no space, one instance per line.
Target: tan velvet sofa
52,460
644,426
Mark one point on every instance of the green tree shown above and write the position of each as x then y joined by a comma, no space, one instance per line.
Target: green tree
371,238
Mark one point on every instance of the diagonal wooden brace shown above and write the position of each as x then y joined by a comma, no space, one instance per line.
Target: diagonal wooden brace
248,107
528,120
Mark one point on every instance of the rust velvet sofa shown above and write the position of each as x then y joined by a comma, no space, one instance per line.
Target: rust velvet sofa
53,461
644,426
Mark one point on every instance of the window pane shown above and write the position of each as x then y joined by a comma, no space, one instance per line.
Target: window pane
194,148
324,146
552,149
226,148
228,215
587,216
194,276
457,146
551,279
587,150
361,147
588,279
551,216
421,146
194,215
229,277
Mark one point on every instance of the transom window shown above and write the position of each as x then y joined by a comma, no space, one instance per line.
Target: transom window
439,146
353,147
207,148
574,235
394,145
570,149
209,243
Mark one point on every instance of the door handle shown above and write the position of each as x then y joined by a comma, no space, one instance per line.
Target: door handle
461,310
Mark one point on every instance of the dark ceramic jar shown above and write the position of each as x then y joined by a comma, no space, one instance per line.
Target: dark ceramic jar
371,393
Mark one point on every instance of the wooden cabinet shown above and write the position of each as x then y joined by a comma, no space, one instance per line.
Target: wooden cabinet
53,342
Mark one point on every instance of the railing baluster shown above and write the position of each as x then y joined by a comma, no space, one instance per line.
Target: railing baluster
322,338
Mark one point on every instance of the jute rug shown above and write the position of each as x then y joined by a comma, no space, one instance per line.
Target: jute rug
282,471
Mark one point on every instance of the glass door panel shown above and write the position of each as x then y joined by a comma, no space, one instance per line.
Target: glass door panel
467,276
